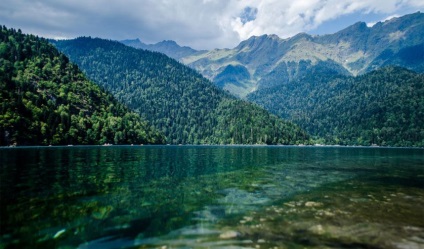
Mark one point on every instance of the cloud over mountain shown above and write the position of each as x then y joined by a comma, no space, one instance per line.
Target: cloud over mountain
199,24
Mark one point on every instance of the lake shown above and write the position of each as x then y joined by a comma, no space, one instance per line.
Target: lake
211,197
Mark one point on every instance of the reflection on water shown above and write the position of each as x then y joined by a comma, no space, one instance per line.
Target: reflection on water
205,196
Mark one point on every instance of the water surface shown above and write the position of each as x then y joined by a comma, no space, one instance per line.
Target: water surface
211,197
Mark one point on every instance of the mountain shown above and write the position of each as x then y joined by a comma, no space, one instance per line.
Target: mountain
45,100
170,48
185,106
383,107
266,61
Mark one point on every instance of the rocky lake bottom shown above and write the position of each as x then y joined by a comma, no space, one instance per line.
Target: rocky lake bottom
212,197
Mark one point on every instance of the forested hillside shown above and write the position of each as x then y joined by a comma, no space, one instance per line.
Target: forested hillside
384,107
181,103
45,100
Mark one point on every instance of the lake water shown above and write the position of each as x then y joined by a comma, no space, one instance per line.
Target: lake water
211,197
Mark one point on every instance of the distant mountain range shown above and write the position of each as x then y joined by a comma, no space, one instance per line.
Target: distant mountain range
268,60
341,88
170,48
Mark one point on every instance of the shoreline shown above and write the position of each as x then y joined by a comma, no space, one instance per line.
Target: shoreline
207,145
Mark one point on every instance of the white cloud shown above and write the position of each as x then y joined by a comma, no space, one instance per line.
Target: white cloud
200,24
370,24
286,17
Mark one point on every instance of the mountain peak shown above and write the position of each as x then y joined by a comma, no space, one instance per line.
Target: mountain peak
168,47
168,42
136,43
357,27
274,37
132,40
258,41
300,36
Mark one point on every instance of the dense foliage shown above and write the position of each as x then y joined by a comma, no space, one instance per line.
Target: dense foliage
384,107
240,121
47,100
182,104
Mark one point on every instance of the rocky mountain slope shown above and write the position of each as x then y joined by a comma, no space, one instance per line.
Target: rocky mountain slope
268,60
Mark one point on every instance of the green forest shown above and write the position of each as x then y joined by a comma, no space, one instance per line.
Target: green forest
384,107
46,100
124,95
185,106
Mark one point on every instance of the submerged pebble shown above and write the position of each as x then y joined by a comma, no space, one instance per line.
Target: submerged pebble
289,204
102,213
229,235
247,218
313,204
59,233
326,213
317,229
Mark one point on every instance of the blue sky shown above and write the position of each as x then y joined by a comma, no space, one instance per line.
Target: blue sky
201,24
341,22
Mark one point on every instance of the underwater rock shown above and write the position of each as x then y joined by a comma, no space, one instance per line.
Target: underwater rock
234,195
248,218
229,235
325,213
317,229
290,204
211,213
102,213
313,204
59,233
410,243
239,201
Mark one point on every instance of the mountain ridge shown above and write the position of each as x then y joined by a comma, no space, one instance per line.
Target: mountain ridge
168,47
357,48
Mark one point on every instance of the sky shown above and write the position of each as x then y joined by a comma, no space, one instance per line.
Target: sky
200,24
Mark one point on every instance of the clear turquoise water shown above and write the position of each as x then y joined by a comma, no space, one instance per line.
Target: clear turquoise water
211,197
